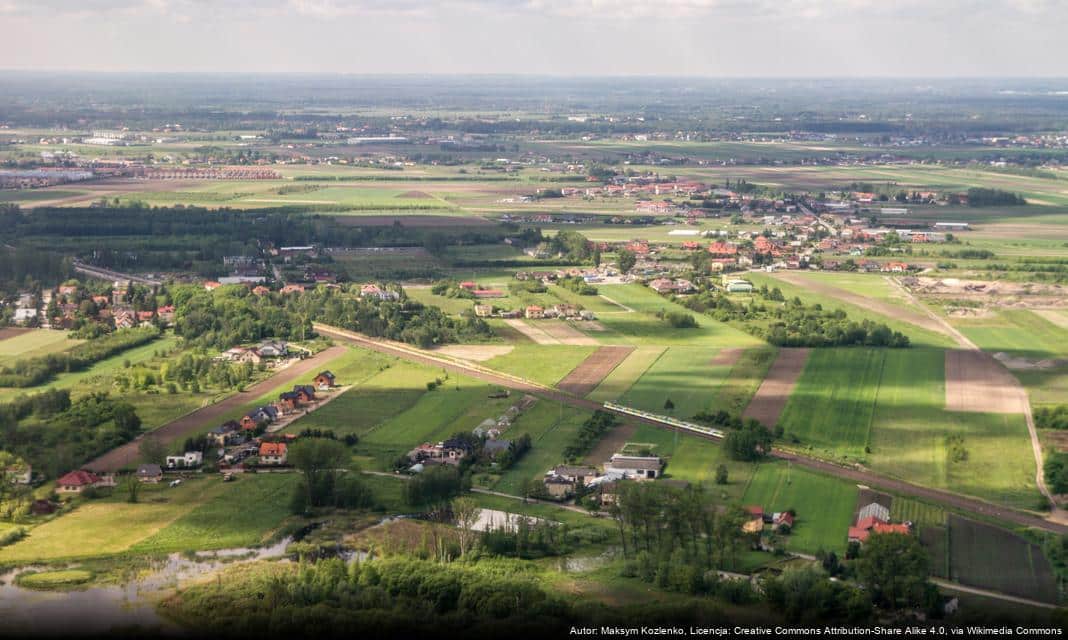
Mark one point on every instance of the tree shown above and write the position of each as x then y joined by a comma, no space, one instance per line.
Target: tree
133,488
320,460
893,567
721,474
465,512
153,450
669,406
626,260
749,443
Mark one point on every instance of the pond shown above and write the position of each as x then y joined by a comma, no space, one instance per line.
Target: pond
94,610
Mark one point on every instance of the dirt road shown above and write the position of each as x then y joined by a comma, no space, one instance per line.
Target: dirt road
193,422
947,498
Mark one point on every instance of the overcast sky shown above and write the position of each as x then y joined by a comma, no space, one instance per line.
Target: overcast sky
722,38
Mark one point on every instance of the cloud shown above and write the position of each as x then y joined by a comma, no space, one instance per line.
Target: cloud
661,10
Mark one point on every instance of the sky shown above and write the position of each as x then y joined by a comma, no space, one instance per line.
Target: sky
712,38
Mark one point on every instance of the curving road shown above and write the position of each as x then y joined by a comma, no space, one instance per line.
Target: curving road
858,476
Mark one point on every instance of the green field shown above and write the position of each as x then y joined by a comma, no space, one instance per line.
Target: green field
243,515
640,326
154,409
985,556
381,396
458,405
910,427
917,335
36,342
744,379
1018,332
686,375
831,406
110,526
824,505
547,364
626,373
695,460
919,513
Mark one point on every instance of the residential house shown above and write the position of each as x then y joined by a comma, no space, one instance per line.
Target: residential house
291,288
871,524
454,450
305,393
483,310
21,474
273,349
579,475
273,453
150,472
166,313
288,401
80,480
325,380
557,487
265,414
635,467
783,521
260,290
534,312
188,460
493,448
226,433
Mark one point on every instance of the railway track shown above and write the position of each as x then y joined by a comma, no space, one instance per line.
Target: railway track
852,474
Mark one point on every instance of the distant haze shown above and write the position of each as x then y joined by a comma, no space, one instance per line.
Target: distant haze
723,38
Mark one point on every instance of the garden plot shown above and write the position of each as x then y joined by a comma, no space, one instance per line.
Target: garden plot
584,378
771,397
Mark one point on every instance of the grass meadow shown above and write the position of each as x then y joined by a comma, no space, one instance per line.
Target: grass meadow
824,505
685,375
35,342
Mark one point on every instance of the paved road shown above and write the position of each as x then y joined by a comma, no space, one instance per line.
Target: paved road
848,473
193,422
114,276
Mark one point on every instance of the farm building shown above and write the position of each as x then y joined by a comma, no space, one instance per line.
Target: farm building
634,467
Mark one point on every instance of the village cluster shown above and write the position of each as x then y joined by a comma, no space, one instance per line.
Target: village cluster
247,444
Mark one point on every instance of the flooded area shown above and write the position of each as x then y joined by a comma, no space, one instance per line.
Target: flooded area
93,610
489,519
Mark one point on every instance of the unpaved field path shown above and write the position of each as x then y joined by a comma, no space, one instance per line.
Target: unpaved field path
475,352
194,421
770,399
917,318
585,377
